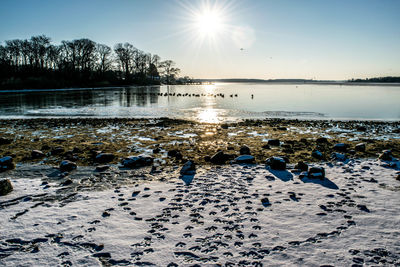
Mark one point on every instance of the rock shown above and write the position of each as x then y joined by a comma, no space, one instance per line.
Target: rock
316,173
189,168
66,182
156,150
274,142
172,153
322,140
317,154
104,157
276,163
245,150
67,166
341,147
245,159
386,155
37,154
5,187
265,202
5,141
338,156
301,166
102,168
137,161
398,177
266,146
361,128
57,151
6,163
219,158
360,147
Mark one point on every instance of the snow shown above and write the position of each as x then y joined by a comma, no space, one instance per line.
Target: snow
217,219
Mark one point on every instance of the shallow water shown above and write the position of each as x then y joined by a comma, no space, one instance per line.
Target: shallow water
302,101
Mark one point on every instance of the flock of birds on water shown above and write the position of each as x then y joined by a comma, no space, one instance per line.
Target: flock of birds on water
190,95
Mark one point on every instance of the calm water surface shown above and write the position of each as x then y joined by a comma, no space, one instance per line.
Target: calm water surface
303,101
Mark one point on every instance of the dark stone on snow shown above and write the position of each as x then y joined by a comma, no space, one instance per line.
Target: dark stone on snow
266,146
104,157
67,166
137,162
338,156
276,163
301,166
156,150
317,154
219,158
341,147
6,163
189,168
386,155
5,187
245,159
316,173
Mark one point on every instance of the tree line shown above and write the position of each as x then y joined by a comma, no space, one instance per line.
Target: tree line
37,63
388,79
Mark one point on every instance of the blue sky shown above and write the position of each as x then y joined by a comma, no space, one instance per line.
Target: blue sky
265,39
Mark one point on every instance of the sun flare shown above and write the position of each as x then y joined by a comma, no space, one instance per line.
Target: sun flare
209,22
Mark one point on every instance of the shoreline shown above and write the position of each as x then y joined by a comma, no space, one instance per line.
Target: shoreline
82,139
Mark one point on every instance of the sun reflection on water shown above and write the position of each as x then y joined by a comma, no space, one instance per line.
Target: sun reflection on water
208,116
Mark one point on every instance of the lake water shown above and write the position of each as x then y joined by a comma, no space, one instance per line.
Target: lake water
302,101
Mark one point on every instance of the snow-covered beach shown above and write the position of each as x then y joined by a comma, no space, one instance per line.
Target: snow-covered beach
236,215
109,206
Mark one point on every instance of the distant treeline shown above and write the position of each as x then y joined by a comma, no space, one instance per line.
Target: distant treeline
387,79
37,63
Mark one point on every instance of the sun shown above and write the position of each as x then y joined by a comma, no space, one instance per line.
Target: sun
209,22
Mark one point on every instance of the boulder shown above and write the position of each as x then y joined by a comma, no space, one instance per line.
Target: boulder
274,142
245,159
156,150
386,155
341,147
37,154
5,141
244,150
175,154
361,128
137,161
5,187
67,166
338,156
317,154
301,166
104,157
219,158
316,173
276,163
189,168
6,163
360,147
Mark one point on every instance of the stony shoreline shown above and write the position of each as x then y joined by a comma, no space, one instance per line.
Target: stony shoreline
81,140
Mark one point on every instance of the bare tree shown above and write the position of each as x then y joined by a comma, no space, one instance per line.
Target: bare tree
104,53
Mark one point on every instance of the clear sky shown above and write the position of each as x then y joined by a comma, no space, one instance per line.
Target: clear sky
267,39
